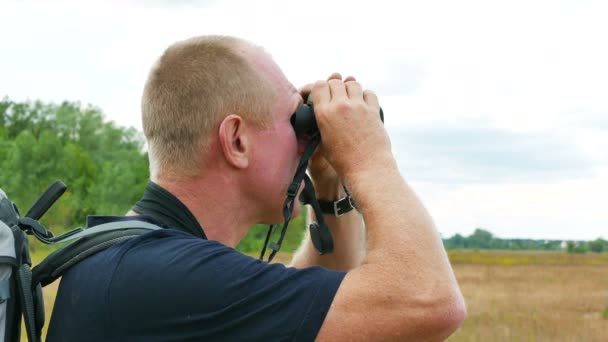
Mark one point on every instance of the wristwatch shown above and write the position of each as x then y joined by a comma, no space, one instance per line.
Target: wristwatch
338,207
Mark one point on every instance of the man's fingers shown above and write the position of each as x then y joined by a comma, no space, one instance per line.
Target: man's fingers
335,76
335,83
338,76
354,89
371,98
320,93
337,88
305,91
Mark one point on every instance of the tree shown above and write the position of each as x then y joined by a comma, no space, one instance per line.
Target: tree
41,143
598,245
481,238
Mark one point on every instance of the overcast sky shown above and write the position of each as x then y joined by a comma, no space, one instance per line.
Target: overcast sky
497,110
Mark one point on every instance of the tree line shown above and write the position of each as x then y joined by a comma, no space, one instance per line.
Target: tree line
483,239
104,166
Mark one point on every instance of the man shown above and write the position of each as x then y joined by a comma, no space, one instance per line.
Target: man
216,115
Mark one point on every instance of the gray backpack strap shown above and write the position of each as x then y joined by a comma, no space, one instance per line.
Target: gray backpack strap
24,279
88,242
8,261
5,290
111,226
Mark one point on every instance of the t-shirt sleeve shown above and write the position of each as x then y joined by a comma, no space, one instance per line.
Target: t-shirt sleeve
190,289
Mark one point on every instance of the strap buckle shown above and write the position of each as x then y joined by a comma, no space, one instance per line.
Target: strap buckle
344,205
352,203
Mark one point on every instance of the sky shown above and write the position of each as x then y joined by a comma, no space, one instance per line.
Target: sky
497,110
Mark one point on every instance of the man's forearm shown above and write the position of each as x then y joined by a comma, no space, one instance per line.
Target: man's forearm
348,232
401,236
405,285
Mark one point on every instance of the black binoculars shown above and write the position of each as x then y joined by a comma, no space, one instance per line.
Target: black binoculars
304,122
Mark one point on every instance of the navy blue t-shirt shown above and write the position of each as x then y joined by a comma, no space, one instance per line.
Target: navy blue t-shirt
168,285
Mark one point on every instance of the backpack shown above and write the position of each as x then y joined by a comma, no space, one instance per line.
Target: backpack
20,284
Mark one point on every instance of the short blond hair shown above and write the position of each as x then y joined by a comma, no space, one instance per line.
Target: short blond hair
192,87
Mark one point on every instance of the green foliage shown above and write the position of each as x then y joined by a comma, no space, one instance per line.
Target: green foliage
254,241
103,165
482,239
599,245
576,247
570,246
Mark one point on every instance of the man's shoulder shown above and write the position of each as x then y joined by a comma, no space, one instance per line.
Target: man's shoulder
171,283
166,236
163,249
158,247
175,252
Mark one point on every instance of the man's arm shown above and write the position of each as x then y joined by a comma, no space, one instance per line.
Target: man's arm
405,288
348,232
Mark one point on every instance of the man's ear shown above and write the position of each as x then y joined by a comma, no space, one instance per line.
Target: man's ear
235,141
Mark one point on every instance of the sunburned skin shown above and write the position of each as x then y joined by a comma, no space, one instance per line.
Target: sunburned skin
279,149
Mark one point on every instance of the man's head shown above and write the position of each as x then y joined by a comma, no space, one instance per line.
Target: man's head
190,89
219,100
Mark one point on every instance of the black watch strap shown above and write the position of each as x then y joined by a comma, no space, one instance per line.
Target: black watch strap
338,207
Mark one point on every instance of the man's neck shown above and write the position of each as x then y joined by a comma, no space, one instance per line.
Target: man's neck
216,204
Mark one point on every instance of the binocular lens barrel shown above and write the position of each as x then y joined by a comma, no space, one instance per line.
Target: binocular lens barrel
304,122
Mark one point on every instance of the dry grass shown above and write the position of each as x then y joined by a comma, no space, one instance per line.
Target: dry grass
532,296
520,296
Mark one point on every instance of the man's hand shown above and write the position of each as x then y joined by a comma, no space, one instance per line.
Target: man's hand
353,139
348,230
323,175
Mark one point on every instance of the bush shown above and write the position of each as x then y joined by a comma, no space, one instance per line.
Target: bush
254,240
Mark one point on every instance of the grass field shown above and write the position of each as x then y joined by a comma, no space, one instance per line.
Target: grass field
522,296
533,296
